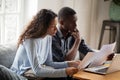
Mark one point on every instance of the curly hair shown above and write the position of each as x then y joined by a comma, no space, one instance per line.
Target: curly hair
38,26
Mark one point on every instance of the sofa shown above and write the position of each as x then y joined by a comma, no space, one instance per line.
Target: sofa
7,54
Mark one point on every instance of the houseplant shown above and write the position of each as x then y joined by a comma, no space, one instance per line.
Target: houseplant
114,11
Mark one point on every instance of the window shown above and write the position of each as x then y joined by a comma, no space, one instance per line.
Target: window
10,13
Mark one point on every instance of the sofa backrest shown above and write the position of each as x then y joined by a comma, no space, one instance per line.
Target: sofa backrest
7,54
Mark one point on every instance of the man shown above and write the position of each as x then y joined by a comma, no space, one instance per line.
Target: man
67,40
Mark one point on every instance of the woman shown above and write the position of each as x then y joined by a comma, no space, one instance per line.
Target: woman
34,49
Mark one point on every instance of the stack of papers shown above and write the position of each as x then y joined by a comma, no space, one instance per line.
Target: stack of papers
93,59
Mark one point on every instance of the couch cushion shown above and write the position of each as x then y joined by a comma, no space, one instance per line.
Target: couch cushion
7,54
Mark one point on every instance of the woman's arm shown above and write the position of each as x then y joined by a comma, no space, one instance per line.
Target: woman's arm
46,71
37,66
56,65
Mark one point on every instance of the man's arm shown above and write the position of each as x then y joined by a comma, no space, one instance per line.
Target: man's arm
73,51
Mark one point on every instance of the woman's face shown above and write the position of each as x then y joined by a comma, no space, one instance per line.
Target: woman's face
52,27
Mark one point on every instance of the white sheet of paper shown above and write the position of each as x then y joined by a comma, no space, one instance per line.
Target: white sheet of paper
87,60
97,58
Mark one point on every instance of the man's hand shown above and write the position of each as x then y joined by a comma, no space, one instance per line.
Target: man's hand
76,34
110,56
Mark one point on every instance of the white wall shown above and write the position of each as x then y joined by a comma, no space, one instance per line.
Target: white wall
83,9
55,5
102,14
99,12
30,9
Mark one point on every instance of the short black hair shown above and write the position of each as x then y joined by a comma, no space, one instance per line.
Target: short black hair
65,12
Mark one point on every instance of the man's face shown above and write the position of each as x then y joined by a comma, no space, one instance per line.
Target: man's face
70,23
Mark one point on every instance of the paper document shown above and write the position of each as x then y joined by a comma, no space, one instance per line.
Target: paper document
97,58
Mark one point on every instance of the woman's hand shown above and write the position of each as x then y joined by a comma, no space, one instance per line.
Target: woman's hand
71,70
74,63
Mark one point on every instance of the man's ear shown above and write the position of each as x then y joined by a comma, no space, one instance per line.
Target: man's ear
61,22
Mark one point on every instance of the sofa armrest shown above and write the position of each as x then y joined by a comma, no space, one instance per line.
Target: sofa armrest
7,54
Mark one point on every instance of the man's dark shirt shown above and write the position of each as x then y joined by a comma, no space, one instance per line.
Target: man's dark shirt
59,50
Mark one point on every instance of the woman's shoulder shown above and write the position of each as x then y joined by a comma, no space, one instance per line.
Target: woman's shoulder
43,39
47,37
